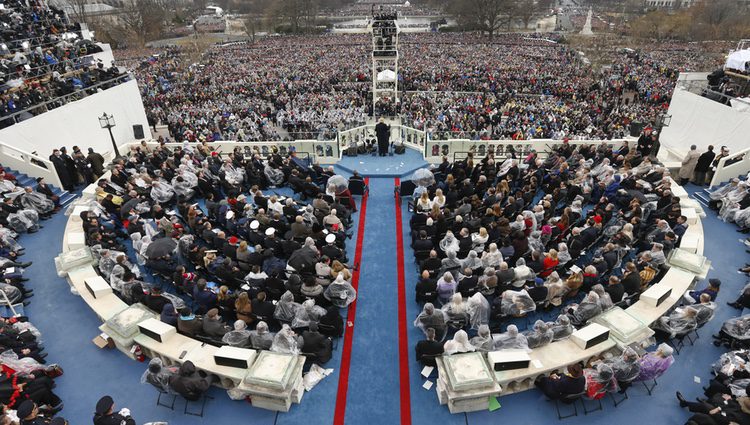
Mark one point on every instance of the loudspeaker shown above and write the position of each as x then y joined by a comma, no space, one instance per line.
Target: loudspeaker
400,149
636,128
137,131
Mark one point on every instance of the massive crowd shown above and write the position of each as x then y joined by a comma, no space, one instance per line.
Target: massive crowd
42,58
454,86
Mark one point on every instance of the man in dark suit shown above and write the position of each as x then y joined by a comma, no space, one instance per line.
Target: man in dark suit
422,244
428,349
556,387
703,165
316,344
383,133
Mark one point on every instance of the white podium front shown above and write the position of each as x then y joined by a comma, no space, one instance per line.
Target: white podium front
97,286
156,329
589,336
656,294
508,359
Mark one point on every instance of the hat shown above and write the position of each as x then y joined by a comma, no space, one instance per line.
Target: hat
103,405
233,240
230,215
254,224
597,218
714,282
539,281
270,231
25,409
214,153
335,227
213,312
331,238
39,179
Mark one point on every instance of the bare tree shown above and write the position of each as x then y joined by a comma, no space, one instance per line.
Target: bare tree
79,10
143,19
299,14
484,15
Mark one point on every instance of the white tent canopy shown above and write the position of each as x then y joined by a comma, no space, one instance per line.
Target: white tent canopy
386,76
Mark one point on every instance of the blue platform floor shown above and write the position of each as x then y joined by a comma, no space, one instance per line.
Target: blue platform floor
385,166
68,327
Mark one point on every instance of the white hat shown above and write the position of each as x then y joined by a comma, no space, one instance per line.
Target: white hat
230,215
270,231
331,238
254,225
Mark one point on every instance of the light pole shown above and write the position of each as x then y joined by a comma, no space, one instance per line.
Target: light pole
108,121
663,120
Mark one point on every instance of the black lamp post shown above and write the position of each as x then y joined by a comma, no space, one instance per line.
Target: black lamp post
108,121
662,121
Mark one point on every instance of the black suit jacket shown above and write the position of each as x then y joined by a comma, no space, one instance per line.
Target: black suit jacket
429,348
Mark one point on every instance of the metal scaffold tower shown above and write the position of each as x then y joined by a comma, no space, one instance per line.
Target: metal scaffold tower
384,64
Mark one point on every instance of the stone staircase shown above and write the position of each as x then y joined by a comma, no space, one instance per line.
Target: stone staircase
23,180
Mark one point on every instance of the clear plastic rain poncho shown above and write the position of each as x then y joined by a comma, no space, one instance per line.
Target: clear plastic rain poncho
535,241
587,309
483,341
338,182
516,303
162,192
562,328
679,322
274,176
234,175
479,310
522,273
23,220
286,308
308,313
158,375
540,335
239,337
340,292
459,344
423,177
37,202
626,367
449,243
285,341
493,257
563,255
261,338
511,339
430,317
14,294
730,362
183,188
8,238
455,310
705,312
472,261
23,366
600,381
737,327
605,301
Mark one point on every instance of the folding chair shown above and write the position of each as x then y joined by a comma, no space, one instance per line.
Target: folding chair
165,394
202,404
569,400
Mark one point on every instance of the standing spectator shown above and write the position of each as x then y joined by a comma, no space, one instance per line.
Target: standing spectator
62,170
703,165
97,162
688,165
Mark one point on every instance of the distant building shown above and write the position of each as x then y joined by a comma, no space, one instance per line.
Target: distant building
670,4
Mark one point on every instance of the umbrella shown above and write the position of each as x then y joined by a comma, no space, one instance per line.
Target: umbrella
162,247
423,177
339,182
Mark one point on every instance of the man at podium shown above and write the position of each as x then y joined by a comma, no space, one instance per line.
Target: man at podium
383,133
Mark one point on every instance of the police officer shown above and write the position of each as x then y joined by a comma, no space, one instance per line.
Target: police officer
105,413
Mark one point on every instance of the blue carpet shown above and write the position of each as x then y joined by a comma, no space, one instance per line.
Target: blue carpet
388,166
68,327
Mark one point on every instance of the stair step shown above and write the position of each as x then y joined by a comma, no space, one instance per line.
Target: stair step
67,198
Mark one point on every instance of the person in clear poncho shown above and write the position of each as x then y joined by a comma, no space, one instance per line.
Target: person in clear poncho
730,202
562,253
36,201
233,175
522,273
587,309
605,301
516,303
518,224
239,336
451,262
430,317
261,338
309,312
679,322
162,192
340,292
472,261
705,310
493,257
456,309
600,381
449,243
286,308
736,328
625,367
275,176
459,344
286,341
719,194
653,365
511,339
535,241
562,328
14,294
529,215
158,375
25,220
478,309
540,335
8,238
483,341
556,289
23,365
182,187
